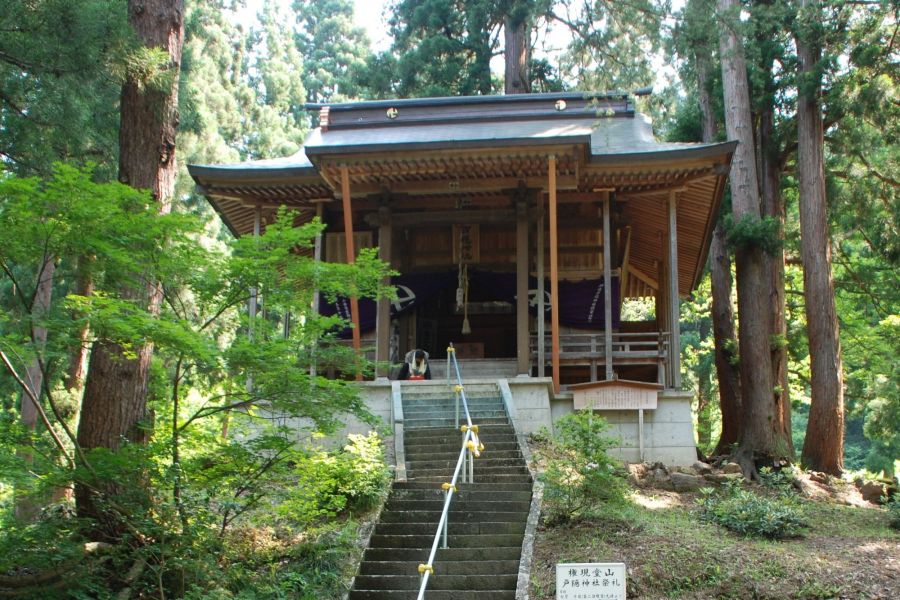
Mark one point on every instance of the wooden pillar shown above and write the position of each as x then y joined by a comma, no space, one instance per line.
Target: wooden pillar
662,310
523,342
351,253
607,288
541,330
673,302
554,276
383,317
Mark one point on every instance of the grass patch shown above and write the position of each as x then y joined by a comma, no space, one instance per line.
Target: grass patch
670,552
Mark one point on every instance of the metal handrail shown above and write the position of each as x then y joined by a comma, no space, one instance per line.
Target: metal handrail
471,447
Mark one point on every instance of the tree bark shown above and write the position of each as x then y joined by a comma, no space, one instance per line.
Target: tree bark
78,358
724,338
115,395
761,438
516,46
28,505
823,448
727,368
773,206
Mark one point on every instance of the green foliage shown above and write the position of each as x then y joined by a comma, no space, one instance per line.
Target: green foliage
751,232
749,513
58,83
580,476
329,483
893,508
333,49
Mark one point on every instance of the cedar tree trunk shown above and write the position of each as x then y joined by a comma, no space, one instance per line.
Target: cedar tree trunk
725,341
823,449
115,394
516,45
773,206
761,436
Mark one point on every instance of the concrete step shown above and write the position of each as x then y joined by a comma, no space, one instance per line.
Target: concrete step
469,567
436,582
456,516
449,399
454,540
473,491
491,453
432,595
423,450
478,478
457,528
485,430
459,505
476,414
480,470
463,496
451,438
485,460
449,422
419,555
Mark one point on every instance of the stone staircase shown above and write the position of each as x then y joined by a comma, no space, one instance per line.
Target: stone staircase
486,519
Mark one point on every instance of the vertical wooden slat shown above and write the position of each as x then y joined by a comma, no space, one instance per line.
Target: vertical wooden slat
351,253
554,275
523,351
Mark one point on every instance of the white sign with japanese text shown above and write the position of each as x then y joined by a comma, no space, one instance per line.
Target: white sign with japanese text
590,581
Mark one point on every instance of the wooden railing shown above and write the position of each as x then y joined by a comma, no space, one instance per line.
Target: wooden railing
650,348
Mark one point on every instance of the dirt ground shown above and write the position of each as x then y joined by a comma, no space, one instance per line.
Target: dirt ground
848,551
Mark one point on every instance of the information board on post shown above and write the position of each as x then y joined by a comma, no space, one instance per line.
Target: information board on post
590,581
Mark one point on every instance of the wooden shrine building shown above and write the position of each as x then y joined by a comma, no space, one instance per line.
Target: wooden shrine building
496,209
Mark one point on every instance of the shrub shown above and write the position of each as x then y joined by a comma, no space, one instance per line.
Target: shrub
893,508
329,483
580,475
747,513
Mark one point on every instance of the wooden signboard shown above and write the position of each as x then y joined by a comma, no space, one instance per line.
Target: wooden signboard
616,394
466,244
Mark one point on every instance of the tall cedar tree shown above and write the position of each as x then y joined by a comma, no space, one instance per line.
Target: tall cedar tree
699,37
766,23
823,448
762,436
115,396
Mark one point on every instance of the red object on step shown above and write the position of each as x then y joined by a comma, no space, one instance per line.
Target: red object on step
416,378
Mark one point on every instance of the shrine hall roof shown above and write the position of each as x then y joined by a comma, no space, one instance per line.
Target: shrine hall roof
606,124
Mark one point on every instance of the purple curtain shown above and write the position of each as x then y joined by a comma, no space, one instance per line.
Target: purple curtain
581,303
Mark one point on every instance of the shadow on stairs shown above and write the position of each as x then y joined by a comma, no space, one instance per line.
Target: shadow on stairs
486,519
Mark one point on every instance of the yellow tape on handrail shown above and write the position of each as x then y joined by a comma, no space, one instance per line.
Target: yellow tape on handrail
448,486
423,567
457,388
451,349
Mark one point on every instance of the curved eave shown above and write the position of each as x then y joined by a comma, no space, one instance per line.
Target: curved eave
666,152
203,174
